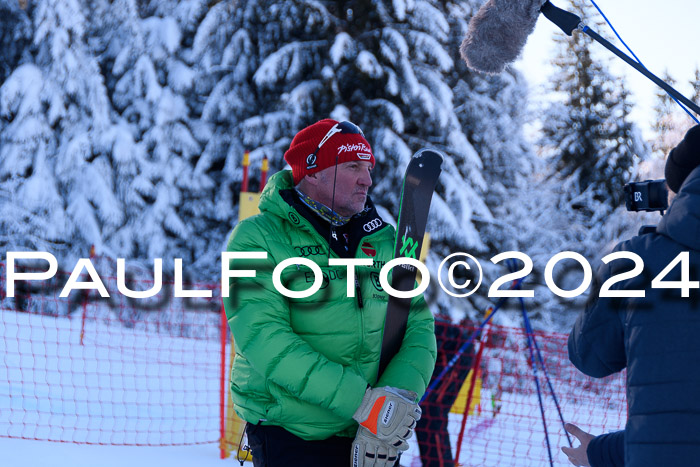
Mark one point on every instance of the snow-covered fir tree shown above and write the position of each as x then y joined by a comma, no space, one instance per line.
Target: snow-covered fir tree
15,36
138,123
592,149
588,135
258,80
695,86
57,139
403,69
259,69
670,121
149,93
268,69
664,104
492,111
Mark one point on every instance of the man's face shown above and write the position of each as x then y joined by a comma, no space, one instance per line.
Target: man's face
351,186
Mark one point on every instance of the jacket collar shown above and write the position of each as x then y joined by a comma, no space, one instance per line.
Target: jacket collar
682,220
280,199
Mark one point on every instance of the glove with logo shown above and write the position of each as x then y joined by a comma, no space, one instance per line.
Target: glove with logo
390,414
369,451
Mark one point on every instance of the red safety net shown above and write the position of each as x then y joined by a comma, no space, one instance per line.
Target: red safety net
154,371
118,371
504,424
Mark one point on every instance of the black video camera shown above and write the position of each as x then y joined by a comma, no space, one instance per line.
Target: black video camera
649,195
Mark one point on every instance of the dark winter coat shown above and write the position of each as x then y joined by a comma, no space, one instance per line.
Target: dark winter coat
657,338
304,363
607,450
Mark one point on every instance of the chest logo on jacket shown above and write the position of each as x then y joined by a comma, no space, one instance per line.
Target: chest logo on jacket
368,249
308,250
374,277
328,276
372,225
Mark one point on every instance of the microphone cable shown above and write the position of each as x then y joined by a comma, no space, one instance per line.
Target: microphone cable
637,58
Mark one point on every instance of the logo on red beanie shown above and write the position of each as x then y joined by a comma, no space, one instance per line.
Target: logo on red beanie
311,162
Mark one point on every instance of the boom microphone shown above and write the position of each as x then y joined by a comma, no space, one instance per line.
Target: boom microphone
497,33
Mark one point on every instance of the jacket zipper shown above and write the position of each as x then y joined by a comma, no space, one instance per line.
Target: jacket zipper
358,293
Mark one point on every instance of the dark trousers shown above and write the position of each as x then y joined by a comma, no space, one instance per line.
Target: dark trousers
273,446
433,438
431,430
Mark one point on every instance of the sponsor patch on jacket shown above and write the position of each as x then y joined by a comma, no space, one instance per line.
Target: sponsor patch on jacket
368,249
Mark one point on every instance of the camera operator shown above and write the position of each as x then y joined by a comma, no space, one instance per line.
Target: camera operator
656,337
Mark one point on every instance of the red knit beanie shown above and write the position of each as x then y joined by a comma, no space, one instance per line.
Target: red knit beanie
346,147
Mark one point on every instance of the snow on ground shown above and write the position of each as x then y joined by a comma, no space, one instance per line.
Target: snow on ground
30,453
124,385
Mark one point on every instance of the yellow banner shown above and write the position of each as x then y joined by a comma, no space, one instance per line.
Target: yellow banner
461,401
248,205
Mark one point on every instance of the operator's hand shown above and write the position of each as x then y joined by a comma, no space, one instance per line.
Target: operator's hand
390,414
369,451
578,456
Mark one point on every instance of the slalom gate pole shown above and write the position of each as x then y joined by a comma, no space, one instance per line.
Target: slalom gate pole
533,364
223,452
438,445
245,164
263,173
546,373
85,301
475,375
466,344
82,322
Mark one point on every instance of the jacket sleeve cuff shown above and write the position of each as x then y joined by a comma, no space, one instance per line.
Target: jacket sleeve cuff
607,450
348,396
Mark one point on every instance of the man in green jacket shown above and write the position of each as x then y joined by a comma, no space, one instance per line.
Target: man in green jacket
305,370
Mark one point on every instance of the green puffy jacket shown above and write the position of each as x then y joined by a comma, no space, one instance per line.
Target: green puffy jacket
304,364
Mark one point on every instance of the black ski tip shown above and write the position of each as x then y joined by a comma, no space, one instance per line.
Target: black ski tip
426,161
432,155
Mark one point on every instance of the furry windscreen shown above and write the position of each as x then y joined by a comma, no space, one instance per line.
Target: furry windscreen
497,33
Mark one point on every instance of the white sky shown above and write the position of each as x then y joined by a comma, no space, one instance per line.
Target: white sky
663,34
